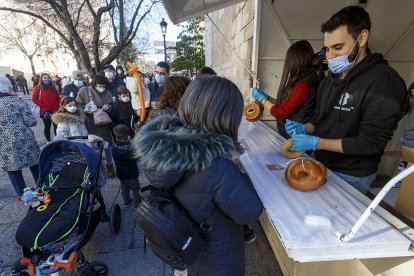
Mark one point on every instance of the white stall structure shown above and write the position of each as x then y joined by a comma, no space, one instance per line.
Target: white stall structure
301,226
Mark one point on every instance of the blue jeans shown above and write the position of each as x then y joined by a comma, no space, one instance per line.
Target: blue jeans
17,180
361,183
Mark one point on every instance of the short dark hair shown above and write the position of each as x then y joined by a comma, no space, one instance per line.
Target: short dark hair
99,79
122,132
212,104
206,71
165,65
123,90
174,89
354,17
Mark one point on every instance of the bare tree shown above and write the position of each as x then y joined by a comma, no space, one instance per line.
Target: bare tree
22,34
81,26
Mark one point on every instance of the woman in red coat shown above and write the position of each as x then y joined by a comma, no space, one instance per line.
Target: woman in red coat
46,96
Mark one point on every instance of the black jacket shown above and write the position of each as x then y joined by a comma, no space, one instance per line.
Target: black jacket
126,165
114,85
155,91
167,151
363,110
122,113
70,88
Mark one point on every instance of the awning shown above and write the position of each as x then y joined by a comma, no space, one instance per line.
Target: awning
182,10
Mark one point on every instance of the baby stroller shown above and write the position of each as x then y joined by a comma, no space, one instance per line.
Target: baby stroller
52,234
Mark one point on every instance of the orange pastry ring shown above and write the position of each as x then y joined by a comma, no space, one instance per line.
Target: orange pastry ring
288,151
253,111
305,174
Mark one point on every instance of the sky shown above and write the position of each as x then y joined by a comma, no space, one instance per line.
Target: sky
172,30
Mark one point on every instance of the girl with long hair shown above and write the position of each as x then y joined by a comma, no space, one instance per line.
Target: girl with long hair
296,96
46,96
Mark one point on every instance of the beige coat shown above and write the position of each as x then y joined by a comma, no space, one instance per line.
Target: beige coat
100,99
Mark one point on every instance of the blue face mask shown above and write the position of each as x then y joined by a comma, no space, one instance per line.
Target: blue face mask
47,82
78,83
100,89
342,64
160,79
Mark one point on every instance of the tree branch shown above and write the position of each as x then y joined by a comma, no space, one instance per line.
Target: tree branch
38,17
79,12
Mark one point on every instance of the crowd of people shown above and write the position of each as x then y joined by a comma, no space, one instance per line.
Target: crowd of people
345,117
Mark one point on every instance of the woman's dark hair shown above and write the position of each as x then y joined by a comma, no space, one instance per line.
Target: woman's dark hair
174,89
212,104
98,79
43,86
206,71
409,100
298,63
354,17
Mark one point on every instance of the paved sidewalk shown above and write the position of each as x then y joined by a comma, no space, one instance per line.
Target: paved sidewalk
123,253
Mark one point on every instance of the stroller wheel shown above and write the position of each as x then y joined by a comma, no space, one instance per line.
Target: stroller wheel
99,269
115,219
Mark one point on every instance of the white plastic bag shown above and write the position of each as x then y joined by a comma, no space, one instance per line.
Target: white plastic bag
35,111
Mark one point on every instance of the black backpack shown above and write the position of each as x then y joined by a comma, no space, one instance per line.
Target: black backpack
170,231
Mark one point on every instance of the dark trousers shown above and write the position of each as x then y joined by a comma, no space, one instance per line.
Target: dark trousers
17,180
126,186
25,89
48,122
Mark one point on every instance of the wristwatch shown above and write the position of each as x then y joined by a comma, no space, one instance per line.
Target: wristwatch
263,101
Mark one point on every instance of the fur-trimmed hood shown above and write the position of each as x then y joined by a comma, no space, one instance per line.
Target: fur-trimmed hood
164,145
64,117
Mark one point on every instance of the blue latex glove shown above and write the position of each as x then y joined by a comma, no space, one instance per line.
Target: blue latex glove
304,142
259,95
293,128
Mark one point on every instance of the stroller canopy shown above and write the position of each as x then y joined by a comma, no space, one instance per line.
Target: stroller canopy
57,148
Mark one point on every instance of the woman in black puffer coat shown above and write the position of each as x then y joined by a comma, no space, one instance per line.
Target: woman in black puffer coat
200,144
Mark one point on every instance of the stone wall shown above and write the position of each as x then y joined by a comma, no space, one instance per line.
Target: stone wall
236,23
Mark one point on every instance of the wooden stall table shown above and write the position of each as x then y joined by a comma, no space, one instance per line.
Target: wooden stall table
301,226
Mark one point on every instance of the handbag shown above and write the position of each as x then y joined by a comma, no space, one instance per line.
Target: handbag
100,117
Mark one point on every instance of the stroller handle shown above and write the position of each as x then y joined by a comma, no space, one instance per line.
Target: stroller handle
77,137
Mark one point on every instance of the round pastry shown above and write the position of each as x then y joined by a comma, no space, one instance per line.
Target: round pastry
288,151
253,111
306,176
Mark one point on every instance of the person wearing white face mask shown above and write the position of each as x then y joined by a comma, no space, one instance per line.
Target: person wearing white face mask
114,81
358,104
70,120
72,89
97,98
122,111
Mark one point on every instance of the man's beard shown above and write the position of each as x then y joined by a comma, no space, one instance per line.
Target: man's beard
354,53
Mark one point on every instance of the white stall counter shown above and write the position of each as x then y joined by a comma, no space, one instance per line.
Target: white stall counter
306,221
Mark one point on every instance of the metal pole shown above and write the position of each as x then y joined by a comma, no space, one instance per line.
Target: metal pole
165,50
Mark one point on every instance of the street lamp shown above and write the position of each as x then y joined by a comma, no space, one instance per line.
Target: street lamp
163,25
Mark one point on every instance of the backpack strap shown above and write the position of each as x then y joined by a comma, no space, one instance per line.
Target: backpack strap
90,94
207,225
